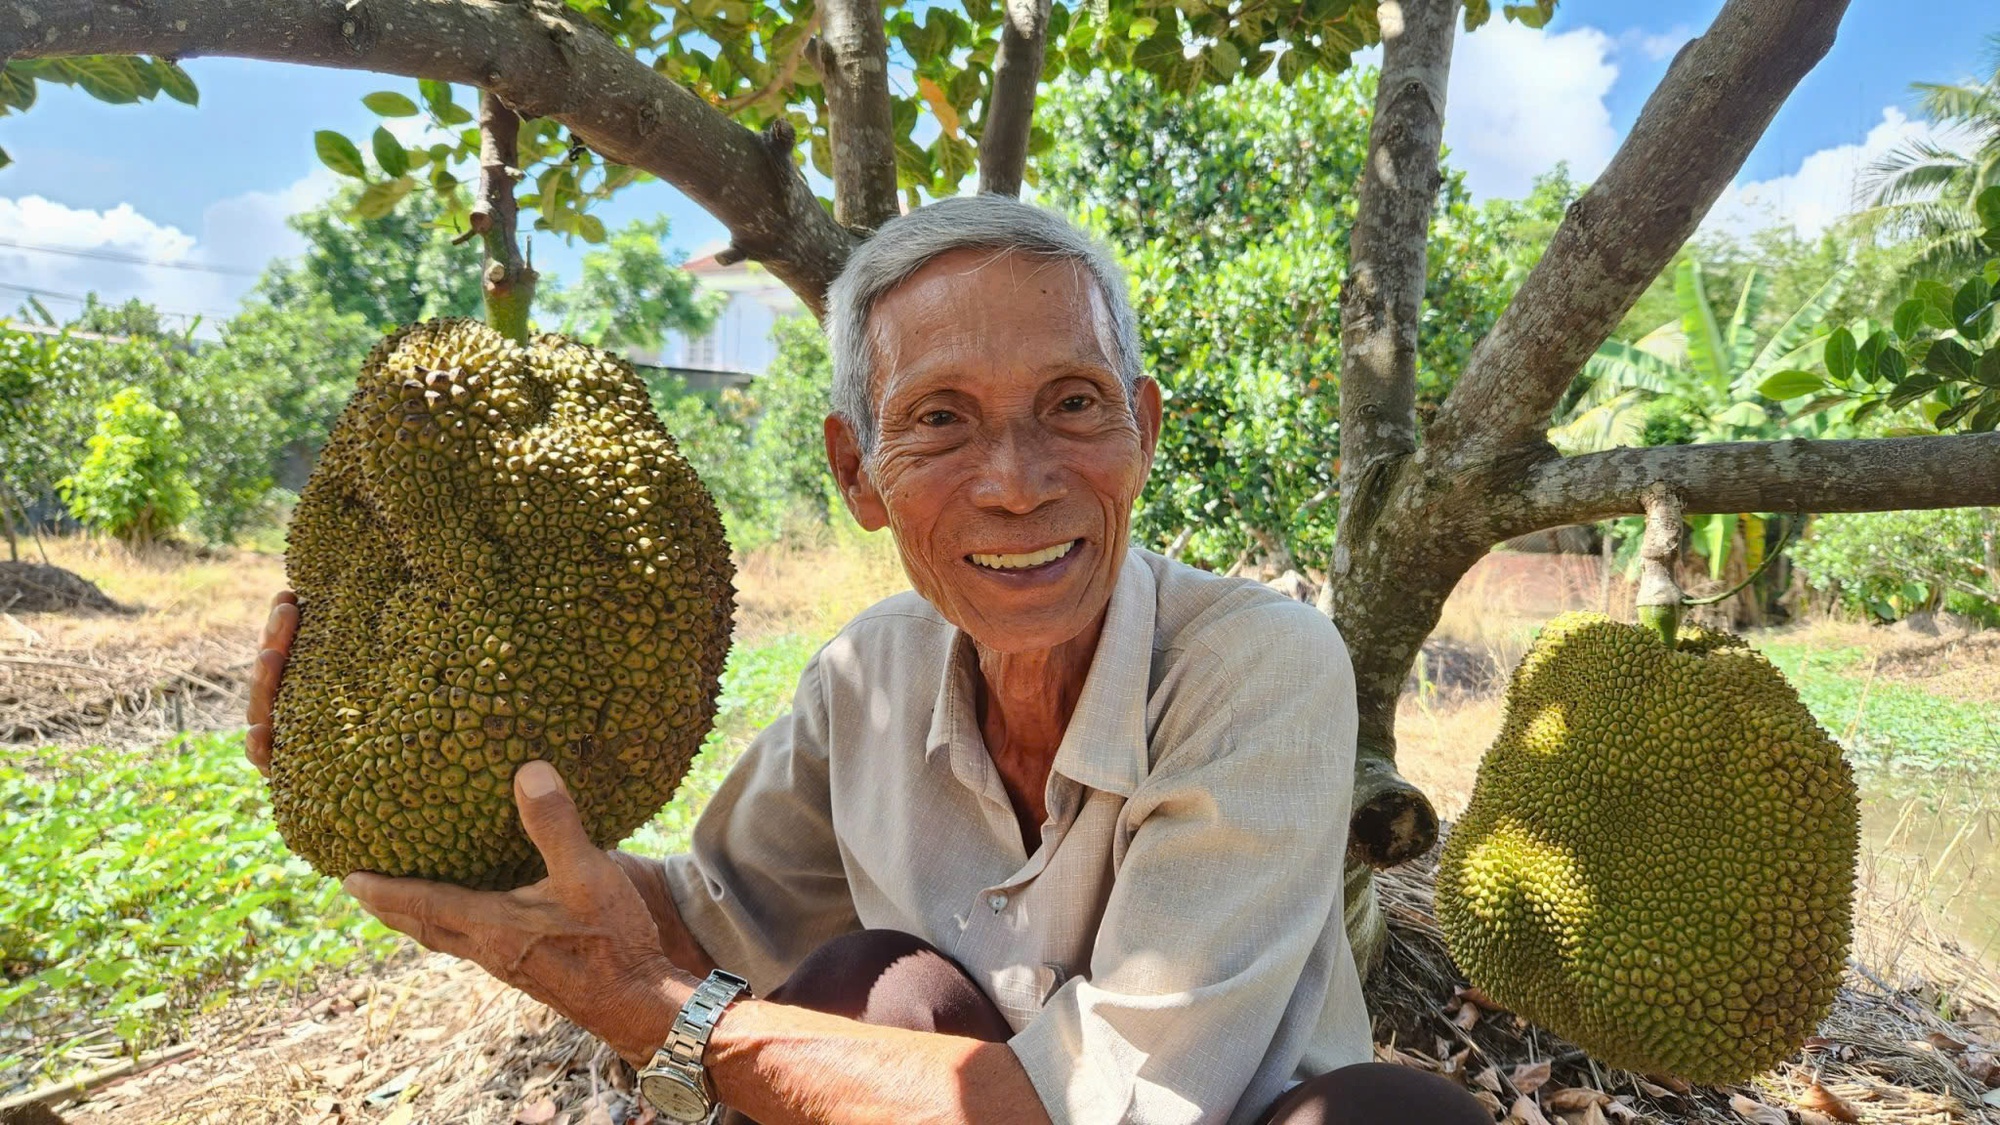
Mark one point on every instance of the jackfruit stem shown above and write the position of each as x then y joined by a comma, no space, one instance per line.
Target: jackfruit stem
509,280
1659,600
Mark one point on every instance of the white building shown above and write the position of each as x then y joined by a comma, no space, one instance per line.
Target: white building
738,347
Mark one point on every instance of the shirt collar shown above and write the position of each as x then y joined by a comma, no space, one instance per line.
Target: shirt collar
1104,747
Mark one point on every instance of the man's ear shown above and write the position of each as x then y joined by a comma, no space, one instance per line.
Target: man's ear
1146,408
850,473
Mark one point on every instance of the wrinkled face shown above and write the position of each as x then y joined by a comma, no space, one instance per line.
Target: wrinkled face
1008,455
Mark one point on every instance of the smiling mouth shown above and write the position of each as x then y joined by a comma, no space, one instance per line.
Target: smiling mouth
1028,561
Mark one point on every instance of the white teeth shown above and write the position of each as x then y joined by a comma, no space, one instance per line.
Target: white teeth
1020,562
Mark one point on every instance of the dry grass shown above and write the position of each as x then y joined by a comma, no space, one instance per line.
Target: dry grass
176,657
813,588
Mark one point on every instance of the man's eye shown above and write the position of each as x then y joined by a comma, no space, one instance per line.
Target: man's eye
937,418
1074,403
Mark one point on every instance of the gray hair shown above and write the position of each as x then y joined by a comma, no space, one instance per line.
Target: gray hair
906,243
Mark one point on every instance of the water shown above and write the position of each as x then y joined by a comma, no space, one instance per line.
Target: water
1933,842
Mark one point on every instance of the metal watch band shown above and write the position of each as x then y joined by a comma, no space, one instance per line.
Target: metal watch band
688,1040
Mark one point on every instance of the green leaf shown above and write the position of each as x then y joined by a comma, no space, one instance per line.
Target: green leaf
1951,360
1714,532
1224,60
389,154
389,103
1840,355
1159,52
1891,367
1790,384
1987,371
1707,352
1802,323
338,153
1987,417
1938,299
1912,389
175,83
590,228
1909,318
381,198
1987,206
108,78
1971,308
4,158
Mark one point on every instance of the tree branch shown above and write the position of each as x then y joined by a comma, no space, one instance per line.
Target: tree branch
1381,304
538,59
854,64
508,282
1010,109
1862,475
1693,135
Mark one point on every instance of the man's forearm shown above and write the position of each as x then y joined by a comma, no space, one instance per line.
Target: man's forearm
783,1065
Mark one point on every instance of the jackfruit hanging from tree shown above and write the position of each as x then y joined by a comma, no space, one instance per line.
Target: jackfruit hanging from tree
500,556
1658,859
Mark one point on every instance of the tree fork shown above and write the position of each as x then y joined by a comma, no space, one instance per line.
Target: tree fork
508,281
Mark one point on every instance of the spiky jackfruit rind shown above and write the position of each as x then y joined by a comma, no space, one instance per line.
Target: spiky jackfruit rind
500,556
1658,859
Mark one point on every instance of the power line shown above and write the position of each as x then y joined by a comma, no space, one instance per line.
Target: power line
128,259
34,292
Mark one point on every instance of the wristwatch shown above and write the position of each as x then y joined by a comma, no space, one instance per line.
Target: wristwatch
676,1082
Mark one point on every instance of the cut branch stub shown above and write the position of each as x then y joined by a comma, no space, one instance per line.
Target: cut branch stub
508,282
1391,821
1659,601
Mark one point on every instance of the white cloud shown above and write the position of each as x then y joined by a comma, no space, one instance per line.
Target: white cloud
120,253
1823,189
1661,46
1523,98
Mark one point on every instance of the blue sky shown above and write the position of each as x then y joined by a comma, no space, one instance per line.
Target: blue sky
212,185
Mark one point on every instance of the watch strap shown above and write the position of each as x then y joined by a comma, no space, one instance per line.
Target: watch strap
687,1041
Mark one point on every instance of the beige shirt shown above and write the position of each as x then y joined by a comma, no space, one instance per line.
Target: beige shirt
1173,951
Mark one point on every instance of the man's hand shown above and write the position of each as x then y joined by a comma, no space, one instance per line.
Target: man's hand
581,941
279,629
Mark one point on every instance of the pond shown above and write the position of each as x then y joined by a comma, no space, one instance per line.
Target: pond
1934,842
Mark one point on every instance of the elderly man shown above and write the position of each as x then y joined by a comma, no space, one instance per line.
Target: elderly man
1057,836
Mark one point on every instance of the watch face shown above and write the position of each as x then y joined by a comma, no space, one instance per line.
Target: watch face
675,1098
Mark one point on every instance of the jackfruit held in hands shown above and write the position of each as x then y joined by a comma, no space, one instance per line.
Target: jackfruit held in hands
500,556
1658,859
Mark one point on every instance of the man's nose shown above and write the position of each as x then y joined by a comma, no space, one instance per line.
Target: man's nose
1021,472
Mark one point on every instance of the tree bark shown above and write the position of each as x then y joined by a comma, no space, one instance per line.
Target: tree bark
508,282
1381,305
1862,475
1010,109
854,64
538,59
1693,135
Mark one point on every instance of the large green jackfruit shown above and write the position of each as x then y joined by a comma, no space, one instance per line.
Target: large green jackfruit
500,556
1658,859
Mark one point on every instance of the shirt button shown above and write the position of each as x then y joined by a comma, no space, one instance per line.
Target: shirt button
997,902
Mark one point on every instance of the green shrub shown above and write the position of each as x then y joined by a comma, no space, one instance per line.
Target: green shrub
133,483
1889,564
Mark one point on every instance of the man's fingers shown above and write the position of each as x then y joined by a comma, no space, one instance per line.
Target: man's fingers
264,685
257,747
443,905
282,622
550,818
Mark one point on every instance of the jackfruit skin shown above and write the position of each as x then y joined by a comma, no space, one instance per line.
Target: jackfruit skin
1658,859
500,556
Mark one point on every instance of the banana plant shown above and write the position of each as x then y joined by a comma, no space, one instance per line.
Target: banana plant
1718,368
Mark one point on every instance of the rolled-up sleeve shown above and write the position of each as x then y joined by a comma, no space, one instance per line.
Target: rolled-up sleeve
762,884
1221,943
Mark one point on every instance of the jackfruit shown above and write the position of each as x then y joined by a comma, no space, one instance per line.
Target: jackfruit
1658,859
500,556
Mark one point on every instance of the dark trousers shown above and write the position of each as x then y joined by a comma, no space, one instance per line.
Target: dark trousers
892,979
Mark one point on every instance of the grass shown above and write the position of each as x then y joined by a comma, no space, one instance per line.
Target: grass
1887,725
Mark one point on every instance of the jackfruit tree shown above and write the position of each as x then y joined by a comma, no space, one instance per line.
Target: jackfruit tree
726,100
